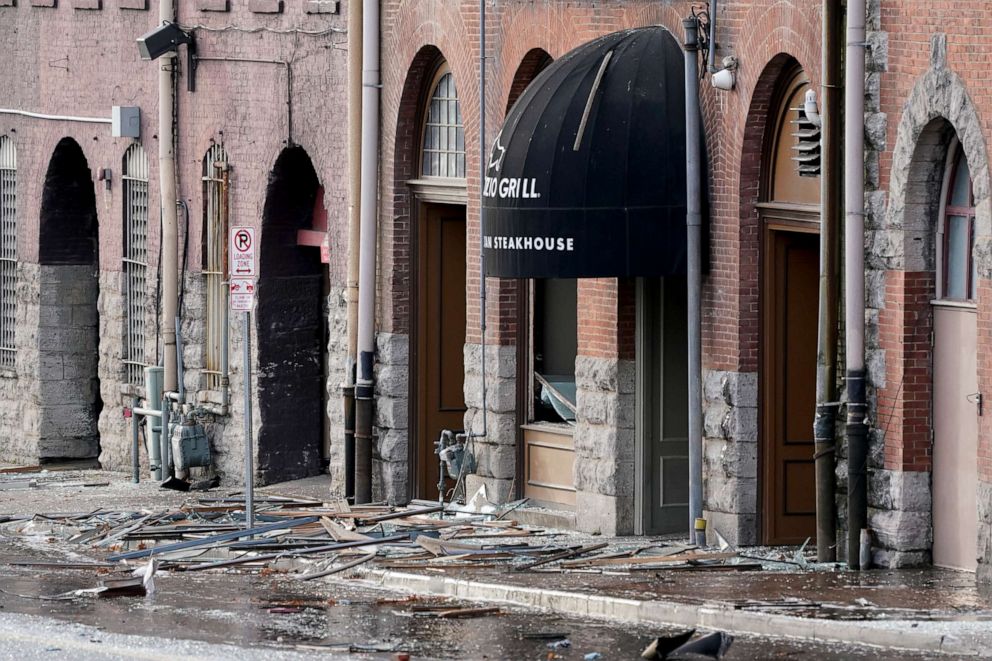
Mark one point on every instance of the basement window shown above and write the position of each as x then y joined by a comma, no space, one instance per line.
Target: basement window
216,180
135,262
8,251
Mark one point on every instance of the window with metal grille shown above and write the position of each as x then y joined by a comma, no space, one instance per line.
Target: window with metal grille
135,262
215,186
8,251
444,136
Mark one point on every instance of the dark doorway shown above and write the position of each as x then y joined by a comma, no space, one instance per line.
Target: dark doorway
68,328
292,325
440,335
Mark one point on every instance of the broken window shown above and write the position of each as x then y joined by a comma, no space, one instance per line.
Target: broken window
135,262
8,251
554,342
214,265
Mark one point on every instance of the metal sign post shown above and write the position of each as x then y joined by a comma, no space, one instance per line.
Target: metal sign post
242,297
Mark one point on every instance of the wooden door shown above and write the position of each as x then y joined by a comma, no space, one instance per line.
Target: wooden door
663,406
955,442
440,331
791,294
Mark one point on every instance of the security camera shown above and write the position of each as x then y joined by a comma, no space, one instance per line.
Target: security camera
163,39
811,110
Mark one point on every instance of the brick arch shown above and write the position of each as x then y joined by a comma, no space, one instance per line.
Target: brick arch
759,121
406,145
533,63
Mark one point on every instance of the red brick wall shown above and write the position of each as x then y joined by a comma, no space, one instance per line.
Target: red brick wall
754,31
904,329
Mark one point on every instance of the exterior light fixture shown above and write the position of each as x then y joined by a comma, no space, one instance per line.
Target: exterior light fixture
166,38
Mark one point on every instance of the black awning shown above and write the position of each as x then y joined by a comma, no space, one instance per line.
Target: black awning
587,176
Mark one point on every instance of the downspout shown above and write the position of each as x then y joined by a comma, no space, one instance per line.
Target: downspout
693,220
354,232
167,183
711,50
824,421
483,159
366,267
225,356
854,267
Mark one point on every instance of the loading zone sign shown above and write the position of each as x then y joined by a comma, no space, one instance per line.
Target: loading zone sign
242,294
242,252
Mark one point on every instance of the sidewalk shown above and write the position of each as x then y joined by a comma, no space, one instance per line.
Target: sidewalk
925,610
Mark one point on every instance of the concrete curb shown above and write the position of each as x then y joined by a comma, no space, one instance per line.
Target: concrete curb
684,615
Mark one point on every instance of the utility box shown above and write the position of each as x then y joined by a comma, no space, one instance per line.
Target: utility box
126,122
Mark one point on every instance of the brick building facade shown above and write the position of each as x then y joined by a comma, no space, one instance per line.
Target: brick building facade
280,120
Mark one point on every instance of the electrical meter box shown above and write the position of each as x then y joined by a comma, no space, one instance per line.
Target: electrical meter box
126,122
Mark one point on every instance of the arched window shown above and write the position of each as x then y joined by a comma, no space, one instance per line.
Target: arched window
215,187
135,262
957,230
8,251
443,142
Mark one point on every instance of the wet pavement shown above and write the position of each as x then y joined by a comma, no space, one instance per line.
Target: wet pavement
330,619
274,611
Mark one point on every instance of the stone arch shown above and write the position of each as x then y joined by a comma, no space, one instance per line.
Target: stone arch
290,325
902,273
938,105
68,328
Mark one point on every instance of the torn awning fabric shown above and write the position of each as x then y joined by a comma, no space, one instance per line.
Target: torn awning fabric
587,176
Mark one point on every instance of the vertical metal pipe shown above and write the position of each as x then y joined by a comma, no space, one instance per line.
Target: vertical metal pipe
355,42
483,159
249,443
366,269
135,421
165,439
854,256
693,220
225,353
711,53
167,180
180,376
825,418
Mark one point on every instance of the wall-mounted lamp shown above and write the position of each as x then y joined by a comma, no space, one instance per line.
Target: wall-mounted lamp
725,78
811,110
166,38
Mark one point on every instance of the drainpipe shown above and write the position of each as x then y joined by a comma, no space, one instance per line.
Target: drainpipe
824,421
167,184
483,159
366,267
693,220
711,51
354,233
854,261
225,357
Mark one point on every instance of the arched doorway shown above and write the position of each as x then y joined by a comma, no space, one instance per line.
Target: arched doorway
437,292
68,325
789,230
956,397
292,323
